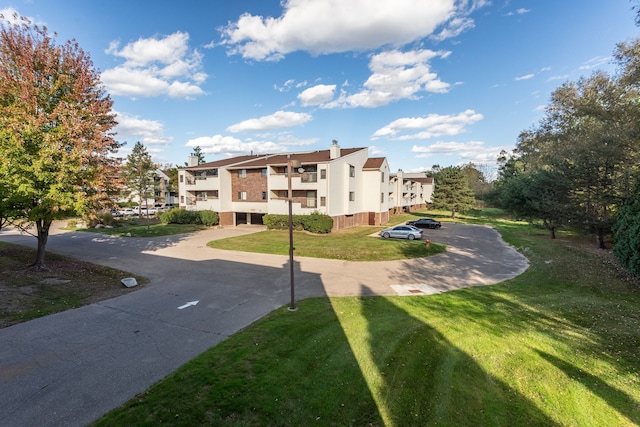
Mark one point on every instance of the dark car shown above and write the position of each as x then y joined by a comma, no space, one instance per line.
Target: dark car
425,223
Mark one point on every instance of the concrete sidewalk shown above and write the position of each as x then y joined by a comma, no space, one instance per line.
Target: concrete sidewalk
70,368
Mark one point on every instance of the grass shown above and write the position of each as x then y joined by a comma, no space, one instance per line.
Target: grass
141,228
557,345
354,244
66,284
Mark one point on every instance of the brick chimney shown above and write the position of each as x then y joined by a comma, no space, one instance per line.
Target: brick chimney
334,150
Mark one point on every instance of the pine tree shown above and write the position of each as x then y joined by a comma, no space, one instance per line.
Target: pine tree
452,191
139,172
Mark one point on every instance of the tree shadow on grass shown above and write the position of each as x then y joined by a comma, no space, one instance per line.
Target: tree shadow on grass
438,384
617,399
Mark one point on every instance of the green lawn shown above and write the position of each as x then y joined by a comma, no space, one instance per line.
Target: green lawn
558,345
355,244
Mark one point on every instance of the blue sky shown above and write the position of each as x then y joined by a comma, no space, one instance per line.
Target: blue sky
421,82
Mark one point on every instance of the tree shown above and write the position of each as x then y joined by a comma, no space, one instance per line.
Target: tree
139,173
539,195
56,145
197,152
627,234
452,191
173,179
477,179
590,134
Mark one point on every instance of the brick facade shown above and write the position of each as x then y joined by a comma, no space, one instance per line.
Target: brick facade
254,183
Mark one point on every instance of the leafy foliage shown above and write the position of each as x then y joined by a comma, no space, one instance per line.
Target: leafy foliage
56,123
314,223
208,217
180,216
541,194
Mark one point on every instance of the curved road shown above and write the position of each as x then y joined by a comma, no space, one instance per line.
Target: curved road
70,368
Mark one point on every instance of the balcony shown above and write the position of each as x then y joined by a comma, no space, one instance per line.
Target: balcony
308,177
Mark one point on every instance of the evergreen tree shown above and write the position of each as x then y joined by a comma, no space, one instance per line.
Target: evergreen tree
139,172
452,191
197,151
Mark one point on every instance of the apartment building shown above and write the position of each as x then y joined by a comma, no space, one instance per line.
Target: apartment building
410,191
344,183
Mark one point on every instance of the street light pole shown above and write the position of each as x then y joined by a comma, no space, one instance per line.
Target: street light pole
290,165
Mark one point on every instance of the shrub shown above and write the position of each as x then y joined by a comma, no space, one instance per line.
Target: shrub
180,216
208,217
314,223
105,218
318,223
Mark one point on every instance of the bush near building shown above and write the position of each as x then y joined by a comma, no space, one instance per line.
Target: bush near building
181,216
313,223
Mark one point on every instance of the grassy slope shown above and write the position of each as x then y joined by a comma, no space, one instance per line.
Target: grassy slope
556,346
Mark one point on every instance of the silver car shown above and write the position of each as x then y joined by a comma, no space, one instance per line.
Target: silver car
402,232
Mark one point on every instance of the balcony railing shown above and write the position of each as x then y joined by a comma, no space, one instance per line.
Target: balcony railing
309,177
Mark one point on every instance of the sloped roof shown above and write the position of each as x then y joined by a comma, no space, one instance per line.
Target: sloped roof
223,162
374,163
427,180
263,160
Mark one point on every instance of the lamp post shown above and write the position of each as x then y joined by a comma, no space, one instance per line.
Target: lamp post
290,165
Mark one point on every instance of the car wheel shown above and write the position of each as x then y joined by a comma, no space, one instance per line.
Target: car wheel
411,237
385,235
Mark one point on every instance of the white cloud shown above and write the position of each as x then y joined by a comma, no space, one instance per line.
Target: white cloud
525,77
596,62
520,11
277,120
329,26
463,152
558,77
441,147
133,129
317,95
395,75
375,151
231,146
155,67
431,126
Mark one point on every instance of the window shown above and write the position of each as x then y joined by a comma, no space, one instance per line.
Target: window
323,174
242,195
181,178
352,196
352,171
381,197
382,174
242,173
323,200
182,199
264,172
264,195
312,199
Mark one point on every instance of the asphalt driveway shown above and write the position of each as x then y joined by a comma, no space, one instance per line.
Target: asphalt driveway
70,368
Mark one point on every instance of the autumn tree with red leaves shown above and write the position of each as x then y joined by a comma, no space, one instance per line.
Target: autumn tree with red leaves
56,139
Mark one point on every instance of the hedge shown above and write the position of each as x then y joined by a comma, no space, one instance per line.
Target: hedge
313,223
181,216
